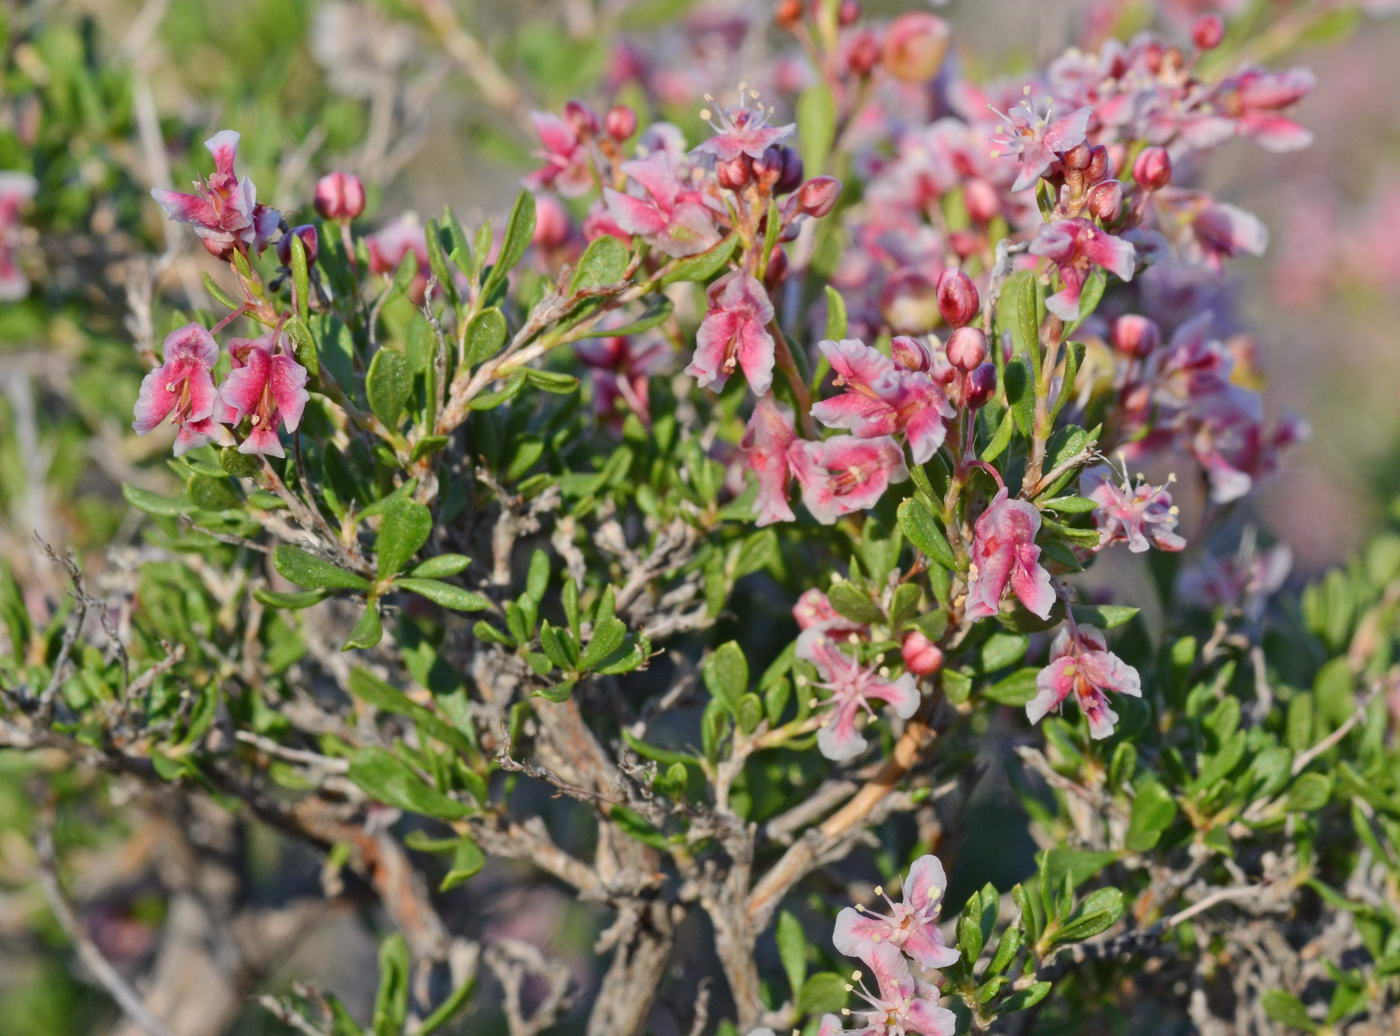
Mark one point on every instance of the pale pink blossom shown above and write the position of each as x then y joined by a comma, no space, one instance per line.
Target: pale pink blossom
1075,245
568,164
882,399
671,216
767,440
16,189
852,687
1005,557
1037,141
902,1004
1082,665
224,210
845,474
911,924
390,245
741,130
267,387
182,391
735,332
813,610
1140,515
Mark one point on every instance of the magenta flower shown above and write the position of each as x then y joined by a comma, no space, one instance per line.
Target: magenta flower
735,332
1004,555
182,390
844,474
15,191
766,443
1254,99
224,210
1082,665
671,217
1231,443
621,369
1141,515
266,387
390,245
568,166
911,925
1037,141
903,1004
813,610
740,130
882,399
852,687
1074,245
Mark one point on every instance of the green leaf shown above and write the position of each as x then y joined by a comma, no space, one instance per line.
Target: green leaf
551,381
441,567
486,333
603,263
854,603
445,594
792,949
749,713
969,935
1001,439
559,692
1024,999
467,860
726,674
1020,393
816,125
367,631
921,528
388,384
403,530
1098,913
1070,505
211,494
520,228
304,346
391,999
703,266
836,322
608,636
392,781
303,569
1090,295
1016,689
154,503
218,294
537,576
822,993
1152,813
1002,649
387,698
1282,1006
279,599
240,465
1309,792
957,686
1104,616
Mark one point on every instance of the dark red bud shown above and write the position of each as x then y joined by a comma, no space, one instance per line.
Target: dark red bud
1153,169
967,348
958,300
818,196
791,175
1105,199
911,354
1076,158
735,174
863,55
582,118
1135,335
1100,168
307,233
982,201
777,269
1208,31
921,655
340,196
621,122
788,14
981,384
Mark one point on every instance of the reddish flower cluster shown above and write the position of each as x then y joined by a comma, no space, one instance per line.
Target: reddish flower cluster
224,209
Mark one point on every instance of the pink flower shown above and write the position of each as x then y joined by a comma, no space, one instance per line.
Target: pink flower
389,246
671,217
224,210
911,925
1141,515
1037,141
852,687
266,387
1082,664
1231,443
15,191
1074,245
1254,99
903,1004
844,474
1004,555
735,332
882,399
766,442
621,370
182,389
568,166
740,130
1244,581
1213,230
813,610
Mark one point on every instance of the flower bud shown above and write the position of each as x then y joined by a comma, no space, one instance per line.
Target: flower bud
982,201
340,196
818,196
582,118
1099,168
1135,335
909,303
911,354
848,13
307,233
790,174
735,174
915,44
1208,31
1076,158
921,655
958,300
863,54
1153,169
620,122
777,270
551,222
967,348
965,244
788,14
981,384
1105,199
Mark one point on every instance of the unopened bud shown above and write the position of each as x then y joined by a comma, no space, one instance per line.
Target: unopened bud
1208,31
340,196
1077,157
776,169
915,45
582,118
734,175
551,222
818,196
1153,169
307,233
909,303
967,348
1099,168
981,384
982,201
863,54
791,176
1135,335
620,122
777,269
911,354
965,244
958,300
848,13
1105,199
788,14
921,655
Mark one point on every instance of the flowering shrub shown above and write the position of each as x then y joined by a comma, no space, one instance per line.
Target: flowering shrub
703,536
